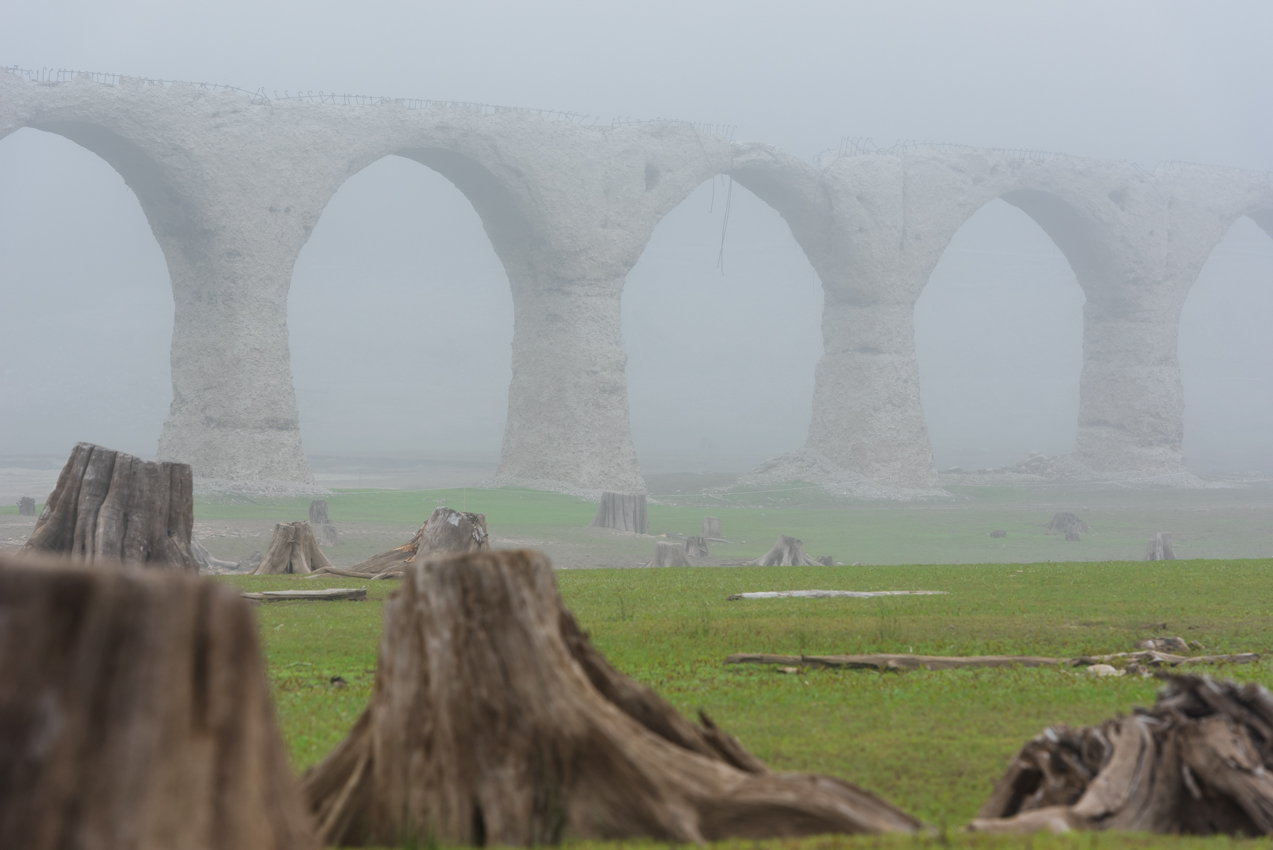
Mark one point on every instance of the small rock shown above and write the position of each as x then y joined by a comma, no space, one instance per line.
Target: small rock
788,669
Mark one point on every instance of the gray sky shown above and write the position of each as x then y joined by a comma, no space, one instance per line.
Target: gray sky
711,356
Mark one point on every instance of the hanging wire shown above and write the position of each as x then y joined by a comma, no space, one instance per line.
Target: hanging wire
729,197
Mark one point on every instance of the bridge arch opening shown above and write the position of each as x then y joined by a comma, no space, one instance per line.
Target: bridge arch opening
87,311
722,336
401,324
1226,354
999,341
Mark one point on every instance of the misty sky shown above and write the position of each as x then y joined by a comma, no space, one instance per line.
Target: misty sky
399,278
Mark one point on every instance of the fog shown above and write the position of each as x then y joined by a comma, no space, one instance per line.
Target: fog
400,317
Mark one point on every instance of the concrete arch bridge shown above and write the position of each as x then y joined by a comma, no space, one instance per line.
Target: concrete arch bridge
233,183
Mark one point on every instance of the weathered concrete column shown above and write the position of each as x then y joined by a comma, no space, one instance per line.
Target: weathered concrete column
233,413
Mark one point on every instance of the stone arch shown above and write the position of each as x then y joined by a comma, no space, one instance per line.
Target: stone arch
102,363
1225,355
685,349
420,403
1000,355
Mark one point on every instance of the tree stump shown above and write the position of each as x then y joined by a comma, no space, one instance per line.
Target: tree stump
1159,548
1066,523
293,549
668,555
494,721
711,528
1199,762
696,549
112,506
26,506
826,561
624,511
136,714
323,529
787,552
447,531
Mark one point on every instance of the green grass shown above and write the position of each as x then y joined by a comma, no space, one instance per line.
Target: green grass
933,742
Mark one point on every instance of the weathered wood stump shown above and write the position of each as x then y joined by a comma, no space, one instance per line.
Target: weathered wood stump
495,721
1159,548
446,532
293,549
711,528
1201,762
787,552
209,564
1066,523
26,506
111,506
696,549
136,714
324,531
668,555
624,511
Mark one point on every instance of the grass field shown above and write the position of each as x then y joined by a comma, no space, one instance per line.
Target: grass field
932,742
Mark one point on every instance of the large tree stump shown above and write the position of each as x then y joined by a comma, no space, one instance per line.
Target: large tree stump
1068,524
324,531
447,531
113,506
624,511
787,552
495,721
668,554
293,549
26,506
1159,548
1201,762
135,713
711,528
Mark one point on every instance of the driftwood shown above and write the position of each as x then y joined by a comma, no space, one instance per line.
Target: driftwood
1199,762
668,555
829,594
292,550
112,506
324,531
209,564
624,511
899,661
446,532
787,552
495,721
1159,548
1067,523
696,549
352,594
136,713
26,506
711,528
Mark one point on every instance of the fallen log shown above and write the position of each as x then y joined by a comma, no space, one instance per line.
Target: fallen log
829,594
624,511
293,549
209,564
355,594
446,531
111,506
136,713
787,552
495,721
1199,762
899,661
